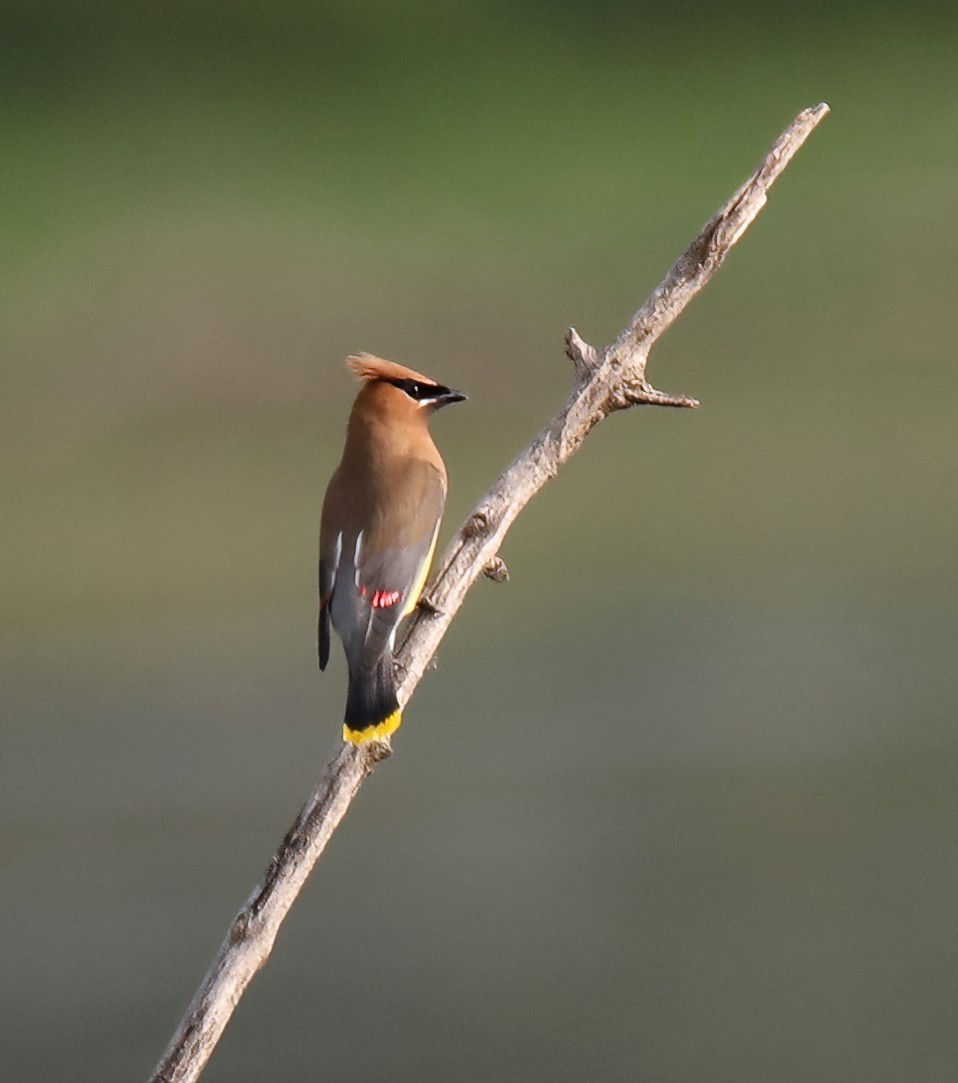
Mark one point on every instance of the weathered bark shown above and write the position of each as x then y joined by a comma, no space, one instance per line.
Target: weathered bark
605,381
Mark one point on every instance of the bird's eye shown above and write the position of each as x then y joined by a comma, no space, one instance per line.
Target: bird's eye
413,388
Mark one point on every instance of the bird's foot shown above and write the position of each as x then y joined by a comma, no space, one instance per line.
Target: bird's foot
428,606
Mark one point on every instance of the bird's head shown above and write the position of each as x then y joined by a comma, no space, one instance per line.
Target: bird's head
400,391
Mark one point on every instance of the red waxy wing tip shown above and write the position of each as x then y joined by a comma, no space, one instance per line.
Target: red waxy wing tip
384,599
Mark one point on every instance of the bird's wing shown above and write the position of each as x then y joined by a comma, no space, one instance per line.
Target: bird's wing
382,562
396,553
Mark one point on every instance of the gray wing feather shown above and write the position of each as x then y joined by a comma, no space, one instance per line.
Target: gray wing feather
365,568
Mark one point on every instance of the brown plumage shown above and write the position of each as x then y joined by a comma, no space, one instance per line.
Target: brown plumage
379,525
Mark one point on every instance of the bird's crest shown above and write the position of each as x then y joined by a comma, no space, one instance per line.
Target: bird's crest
368,367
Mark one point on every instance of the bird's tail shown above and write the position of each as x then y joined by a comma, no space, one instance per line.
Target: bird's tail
372,709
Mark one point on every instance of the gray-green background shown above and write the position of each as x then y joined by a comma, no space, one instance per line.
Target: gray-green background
679,803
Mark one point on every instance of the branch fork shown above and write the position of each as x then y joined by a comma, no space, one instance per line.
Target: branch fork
631,387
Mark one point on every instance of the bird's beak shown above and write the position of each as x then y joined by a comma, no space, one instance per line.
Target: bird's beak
449,396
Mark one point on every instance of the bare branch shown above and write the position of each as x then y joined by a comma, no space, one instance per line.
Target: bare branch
606,380
707,252
250,938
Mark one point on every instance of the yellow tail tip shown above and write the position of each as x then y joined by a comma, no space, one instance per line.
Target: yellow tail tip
379,732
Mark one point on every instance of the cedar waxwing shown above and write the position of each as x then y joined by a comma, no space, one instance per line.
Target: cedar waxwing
378,533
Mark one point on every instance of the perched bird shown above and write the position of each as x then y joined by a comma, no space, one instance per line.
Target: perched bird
378,533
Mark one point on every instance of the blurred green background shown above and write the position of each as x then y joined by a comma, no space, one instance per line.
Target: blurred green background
679,802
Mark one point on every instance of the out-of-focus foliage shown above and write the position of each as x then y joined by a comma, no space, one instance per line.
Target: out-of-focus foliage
679,802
